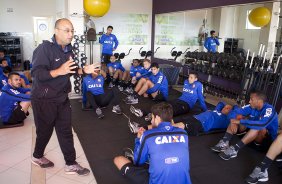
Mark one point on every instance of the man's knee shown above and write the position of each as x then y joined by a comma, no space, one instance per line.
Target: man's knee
120,161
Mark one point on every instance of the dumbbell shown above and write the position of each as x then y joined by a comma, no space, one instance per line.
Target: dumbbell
83,39
75,45
76,83
83,60
76,51
76,90
82,55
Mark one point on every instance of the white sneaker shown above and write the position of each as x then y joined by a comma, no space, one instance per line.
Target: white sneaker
136,112
134,127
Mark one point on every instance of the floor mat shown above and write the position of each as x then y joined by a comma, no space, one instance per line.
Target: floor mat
104,139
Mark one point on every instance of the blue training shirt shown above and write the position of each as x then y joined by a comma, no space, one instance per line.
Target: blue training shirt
211,43
3,81
145,73
214,119
94,85
160,84
9,98
266,117
193,92
116,66
109,42
166,147
134,70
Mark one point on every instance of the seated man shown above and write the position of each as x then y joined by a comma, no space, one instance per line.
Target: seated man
192,91
156,87
7,58
4,77
260,172
144,72
262,124
116,71
203,122
14,101
129,78
165,147
93,92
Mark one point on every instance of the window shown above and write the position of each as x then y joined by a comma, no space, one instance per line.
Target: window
248,24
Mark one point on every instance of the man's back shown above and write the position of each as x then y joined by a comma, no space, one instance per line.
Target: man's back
166,147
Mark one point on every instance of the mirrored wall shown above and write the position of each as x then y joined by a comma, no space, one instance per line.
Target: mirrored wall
179,31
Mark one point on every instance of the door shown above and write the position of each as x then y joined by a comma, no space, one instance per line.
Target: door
43,29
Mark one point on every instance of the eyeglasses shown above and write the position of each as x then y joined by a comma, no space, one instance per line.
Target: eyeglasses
67,30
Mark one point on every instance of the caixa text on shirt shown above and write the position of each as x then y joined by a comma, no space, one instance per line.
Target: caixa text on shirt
170,139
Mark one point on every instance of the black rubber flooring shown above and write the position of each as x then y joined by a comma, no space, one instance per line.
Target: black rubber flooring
104,139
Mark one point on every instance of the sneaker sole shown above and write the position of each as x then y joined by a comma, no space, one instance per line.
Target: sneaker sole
119,113
227,158
34,163
131,103
217,151
263,179
72,173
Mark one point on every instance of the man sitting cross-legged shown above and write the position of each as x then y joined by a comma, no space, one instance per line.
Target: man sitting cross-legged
15,102
191,93
262,124
260,172
156,86
115,70
165,147
93,92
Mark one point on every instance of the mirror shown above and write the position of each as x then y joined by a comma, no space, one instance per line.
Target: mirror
177,31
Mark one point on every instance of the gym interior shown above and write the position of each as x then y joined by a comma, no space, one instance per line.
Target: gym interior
170,33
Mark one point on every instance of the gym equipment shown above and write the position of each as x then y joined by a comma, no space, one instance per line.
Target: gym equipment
145,53
96,8
176,54
120,56
259,17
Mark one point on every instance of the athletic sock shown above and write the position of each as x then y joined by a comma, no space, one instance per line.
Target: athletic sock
239,145
135,94
265,164
227,137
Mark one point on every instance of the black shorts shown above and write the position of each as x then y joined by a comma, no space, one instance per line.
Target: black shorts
159,98
193,126
136,175
17,117
106,58
179,107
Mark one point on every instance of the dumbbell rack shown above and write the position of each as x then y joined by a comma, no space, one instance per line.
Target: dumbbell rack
263,76
80,59
217,69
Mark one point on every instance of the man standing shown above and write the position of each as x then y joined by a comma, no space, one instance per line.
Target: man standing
211,42
110,43
52,67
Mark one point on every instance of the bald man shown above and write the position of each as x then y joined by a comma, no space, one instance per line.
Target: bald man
52,67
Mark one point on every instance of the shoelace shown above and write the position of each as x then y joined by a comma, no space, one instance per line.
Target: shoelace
229,151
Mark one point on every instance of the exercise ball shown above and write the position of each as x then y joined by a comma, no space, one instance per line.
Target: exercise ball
259,17
96,8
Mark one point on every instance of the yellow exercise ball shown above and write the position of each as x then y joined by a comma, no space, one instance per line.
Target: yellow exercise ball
96,8
260,17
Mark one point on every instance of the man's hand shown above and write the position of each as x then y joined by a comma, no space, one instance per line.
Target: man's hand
140,132
138,74
233,128
65,68
92,68
235,121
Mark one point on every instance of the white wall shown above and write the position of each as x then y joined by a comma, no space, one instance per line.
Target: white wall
20,21
120,8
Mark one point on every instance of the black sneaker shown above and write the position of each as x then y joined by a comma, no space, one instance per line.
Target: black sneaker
257,175
220,146
131,100
128,153
76,169
117,109
42,162
133,126
229,153
99,113
136,112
